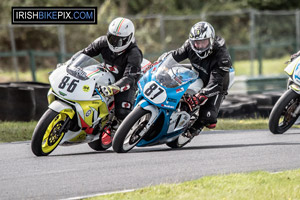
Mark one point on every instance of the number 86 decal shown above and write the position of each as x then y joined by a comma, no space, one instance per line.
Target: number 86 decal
154,92
71,86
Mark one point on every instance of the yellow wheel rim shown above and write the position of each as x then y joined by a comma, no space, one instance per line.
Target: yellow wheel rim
53,134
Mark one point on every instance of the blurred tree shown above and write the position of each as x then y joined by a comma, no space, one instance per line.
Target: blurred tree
149,31
274,4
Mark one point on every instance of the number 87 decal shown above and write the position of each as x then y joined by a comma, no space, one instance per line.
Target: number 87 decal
154,92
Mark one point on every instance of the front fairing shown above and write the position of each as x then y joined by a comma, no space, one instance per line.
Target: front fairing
293,70
61,81
76,79
165,83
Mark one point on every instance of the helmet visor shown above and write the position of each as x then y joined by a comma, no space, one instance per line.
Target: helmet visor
201,45
118,41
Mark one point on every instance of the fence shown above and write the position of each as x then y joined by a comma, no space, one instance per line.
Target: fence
250,34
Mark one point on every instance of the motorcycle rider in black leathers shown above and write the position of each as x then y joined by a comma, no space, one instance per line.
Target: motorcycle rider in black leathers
122,58
210,58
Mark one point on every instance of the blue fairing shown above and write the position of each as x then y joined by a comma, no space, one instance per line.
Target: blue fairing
173,94
163,86
161,137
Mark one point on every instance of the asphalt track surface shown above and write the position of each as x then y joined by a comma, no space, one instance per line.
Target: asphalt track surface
78,171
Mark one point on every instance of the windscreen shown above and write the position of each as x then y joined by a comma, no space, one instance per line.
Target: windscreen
171,74
81,65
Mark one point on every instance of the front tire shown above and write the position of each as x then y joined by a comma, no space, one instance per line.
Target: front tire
128,134
48,132
281,117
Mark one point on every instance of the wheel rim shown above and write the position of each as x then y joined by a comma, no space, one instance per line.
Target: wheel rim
136,133
287,119
53,134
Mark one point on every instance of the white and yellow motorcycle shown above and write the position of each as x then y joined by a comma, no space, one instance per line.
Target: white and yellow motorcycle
77,113
286,111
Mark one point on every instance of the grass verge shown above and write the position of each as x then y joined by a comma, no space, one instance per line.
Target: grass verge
255,185
16,131
242,124
22,131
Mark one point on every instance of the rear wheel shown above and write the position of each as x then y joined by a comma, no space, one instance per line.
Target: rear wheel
99,145
131,131
48,132
282,116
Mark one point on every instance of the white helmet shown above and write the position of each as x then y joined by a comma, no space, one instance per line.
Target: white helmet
202,36
120,34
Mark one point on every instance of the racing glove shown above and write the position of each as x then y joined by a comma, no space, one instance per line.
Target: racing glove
196,100
295,55
109,90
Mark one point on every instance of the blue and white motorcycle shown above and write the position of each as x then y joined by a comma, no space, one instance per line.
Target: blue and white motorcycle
161,115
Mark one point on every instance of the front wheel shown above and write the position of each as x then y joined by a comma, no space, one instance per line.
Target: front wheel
179,142
131,130
282,116
48,132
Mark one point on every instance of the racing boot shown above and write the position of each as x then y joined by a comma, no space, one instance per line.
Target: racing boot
211,126
106,137
192,132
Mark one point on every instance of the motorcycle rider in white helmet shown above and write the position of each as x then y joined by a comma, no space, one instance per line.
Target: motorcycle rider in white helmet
210,58
122,58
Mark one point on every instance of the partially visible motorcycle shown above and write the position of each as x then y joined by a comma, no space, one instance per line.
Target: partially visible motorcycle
286,111
161,115
77,111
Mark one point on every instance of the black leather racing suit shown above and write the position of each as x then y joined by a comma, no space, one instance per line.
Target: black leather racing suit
125,67
214,72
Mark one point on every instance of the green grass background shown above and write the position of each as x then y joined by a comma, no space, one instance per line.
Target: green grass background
254,186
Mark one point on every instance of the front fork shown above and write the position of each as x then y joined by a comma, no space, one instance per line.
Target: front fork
296,112
296,89
292,86
65,127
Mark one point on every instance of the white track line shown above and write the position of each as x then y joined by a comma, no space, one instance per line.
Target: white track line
99,194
